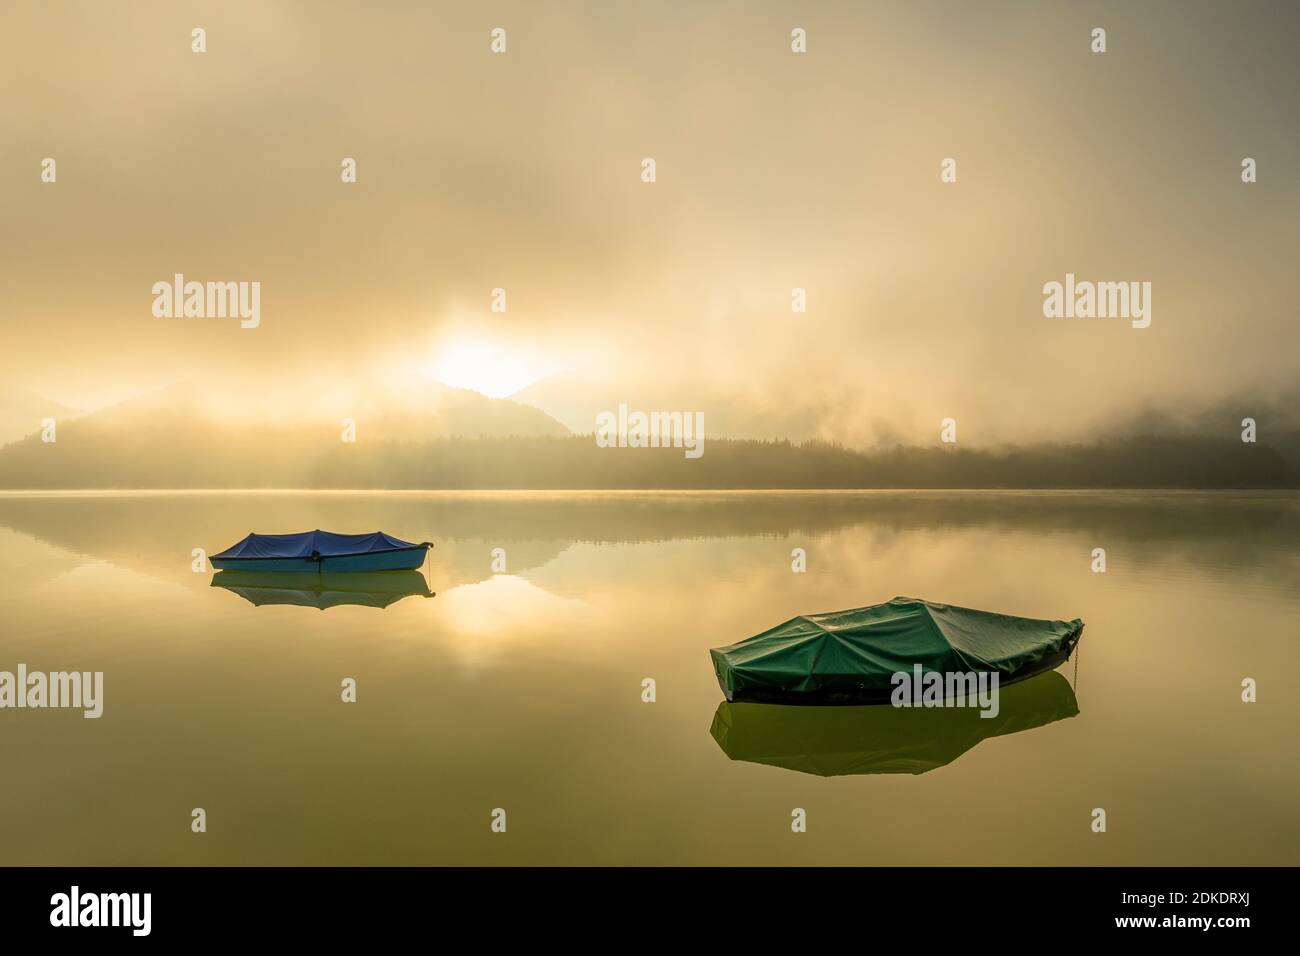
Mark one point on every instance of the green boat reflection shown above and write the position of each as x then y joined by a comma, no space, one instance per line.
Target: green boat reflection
325,590
880,738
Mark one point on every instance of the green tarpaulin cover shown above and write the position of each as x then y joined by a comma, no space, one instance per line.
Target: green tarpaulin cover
851,656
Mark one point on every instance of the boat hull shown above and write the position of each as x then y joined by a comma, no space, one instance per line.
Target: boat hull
859,696
401,559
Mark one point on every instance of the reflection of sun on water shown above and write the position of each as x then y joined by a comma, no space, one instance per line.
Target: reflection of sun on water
491,616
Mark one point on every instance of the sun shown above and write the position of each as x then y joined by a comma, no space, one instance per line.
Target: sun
492,370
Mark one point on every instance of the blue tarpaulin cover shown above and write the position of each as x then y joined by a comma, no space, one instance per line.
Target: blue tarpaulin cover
326,544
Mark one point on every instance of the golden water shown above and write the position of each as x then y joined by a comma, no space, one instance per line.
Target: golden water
522,690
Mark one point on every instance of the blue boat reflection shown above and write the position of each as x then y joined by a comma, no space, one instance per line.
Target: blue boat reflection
325,590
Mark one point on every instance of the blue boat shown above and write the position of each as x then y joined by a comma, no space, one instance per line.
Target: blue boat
322,551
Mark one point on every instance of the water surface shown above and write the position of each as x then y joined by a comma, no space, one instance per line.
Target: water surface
522,690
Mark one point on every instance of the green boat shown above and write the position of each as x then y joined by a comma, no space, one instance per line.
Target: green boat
852,657
836,741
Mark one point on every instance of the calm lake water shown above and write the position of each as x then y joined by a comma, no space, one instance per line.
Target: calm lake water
522,690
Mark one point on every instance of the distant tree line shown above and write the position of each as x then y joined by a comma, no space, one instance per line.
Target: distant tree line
577,462
285,458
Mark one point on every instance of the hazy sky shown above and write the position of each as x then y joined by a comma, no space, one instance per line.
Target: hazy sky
775,170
